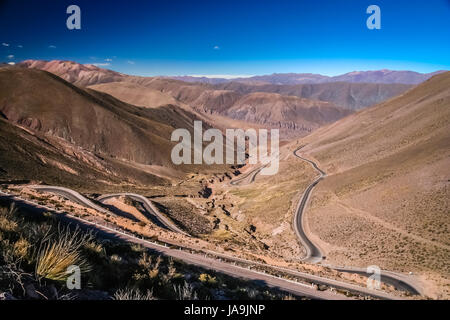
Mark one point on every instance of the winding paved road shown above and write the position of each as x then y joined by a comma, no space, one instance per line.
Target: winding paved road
80,199
148,206
248,177
70,195
314,255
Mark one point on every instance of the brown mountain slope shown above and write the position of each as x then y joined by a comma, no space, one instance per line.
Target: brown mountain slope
386,199
294,115
89,119
344,94
352,96
289,113
135,94
386,76
210,98
285,111
28,156
296,109
182,91
152,92
78,74
215,101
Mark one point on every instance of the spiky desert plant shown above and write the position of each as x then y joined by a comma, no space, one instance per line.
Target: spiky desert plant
185,292
154,272
171,275
145,261
7,219
58,251
21,248
208,279
95,248
133,294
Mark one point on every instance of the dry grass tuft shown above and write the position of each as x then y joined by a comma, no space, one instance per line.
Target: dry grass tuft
7,223
21,248
185,292
133,294
59,251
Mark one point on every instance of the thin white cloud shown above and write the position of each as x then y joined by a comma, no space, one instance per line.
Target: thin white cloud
101,64
108,60
20,46
52,46
5,44
11,56
11,63
130,62
216,48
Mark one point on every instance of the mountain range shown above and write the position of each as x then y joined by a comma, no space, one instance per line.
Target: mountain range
377,76
353,90
86,110
298,114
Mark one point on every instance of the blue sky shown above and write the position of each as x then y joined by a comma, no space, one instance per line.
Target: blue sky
245,37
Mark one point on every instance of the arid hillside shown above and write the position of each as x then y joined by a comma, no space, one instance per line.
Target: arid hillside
78,74
386,76
271,98
296,116
285,111
135,94
385,200
26,156
92,127
94,121
347,95
296,109
354,90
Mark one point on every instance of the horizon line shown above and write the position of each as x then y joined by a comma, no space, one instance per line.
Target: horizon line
224,76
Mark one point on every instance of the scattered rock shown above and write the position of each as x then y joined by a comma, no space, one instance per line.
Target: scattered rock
6,296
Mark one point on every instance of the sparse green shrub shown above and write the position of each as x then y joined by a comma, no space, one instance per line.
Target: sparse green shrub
207,279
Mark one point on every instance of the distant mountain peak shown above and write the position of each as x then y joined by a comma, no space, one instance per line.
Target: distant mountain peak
77,73
369,76
92,74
